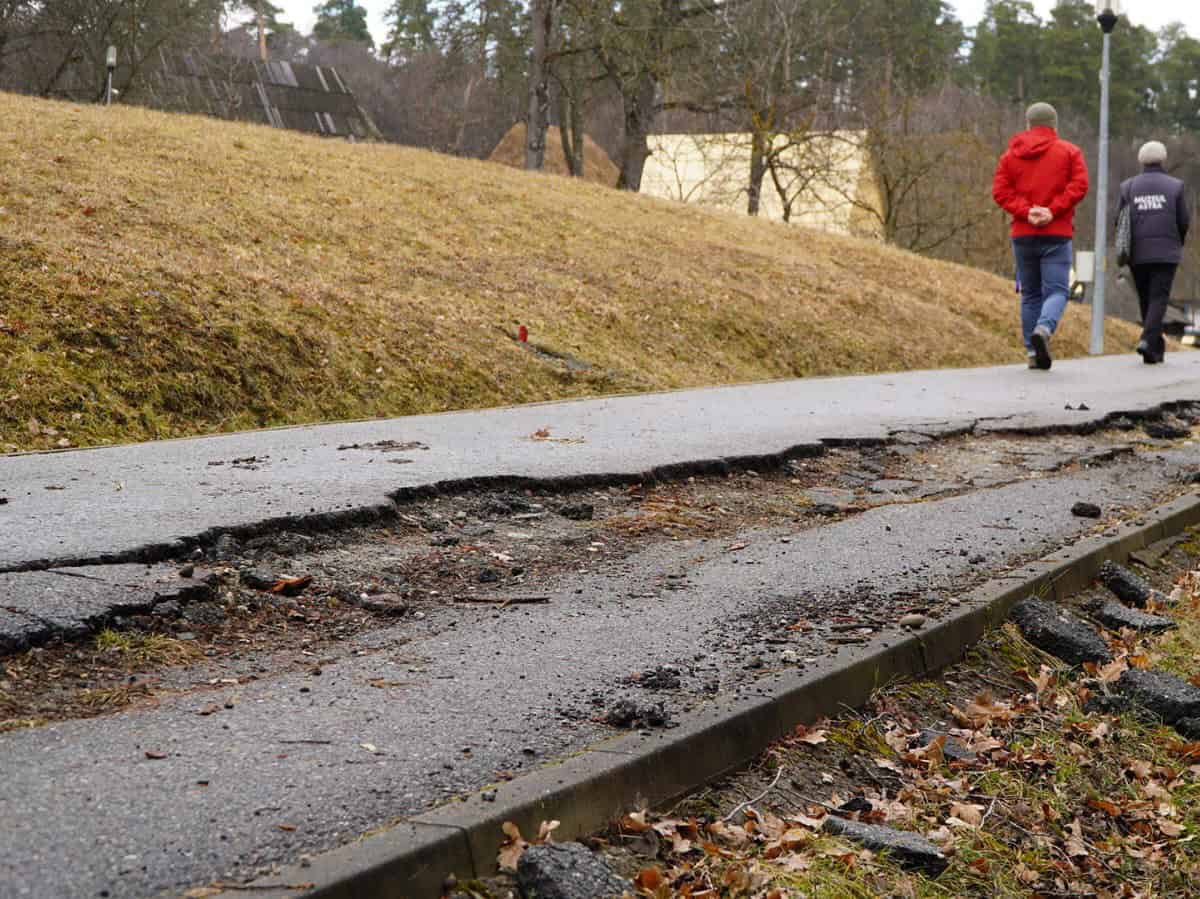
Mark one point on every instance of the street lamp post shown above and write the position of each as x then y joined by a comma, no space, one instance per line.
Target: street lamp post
111,62
1107,12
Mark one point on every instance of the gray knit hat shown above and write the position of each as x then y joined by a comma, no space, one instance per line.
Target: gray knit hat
1042,114
1152,153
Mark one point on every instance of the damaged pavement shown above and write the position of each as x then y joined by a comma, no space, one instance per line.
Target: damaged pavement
481,634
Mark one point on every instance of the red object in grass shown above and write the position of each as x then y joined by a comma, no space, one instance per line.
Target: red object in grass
523,334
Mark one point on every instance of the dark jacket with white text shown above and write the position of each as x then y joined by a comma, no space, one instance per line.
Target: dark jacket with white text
1159,216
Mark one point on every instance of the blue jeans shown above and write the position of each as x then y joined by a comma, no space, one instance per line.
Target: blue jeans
1044,268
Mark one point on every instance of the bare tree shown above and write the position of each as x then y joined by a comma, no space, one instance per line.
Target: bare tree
544,14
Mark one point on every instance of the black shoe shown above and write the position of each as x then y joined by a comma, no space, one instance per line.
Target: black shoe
1143,350
1040,341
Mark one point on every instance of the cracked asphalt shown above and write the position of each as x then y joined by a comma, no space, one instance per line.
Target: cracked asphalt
109,504
403,717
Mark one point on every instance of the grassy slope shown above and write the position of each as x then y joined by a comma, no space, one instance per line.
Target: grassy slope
165,275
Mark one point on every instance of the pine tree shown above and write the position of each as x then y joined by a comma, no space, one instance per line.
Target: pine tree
342,20
411,27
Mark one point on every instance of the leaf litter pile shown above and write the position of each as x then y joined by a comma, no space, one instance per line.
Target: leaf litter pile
1011,765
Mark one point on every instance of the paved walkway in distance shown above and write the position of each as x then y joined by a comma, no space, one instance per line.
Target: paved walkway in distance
80,506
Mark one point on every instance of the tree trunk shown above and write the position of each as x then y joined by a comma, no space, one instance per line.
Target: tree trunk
539,85
570,128
758,169
262,32
640,112
461,137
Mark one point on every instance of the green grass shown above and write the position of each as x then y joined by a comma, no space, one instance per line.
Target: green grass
143,650
169,275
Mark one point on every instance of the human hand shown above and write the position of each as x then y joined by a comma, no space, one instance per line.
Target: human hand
1039,216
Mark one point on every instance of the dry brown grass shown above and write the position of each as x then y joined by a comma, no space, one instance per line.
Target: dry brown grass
166,275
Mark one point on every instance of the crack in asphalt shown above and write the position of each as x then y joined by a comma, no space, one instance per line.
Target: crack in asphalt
388,511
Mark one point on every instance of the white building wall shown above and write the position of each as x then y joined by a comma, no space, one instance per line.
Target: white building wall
824,178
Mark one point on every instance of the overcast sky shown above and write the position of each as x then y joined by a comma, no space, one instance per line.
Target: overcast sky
1153,14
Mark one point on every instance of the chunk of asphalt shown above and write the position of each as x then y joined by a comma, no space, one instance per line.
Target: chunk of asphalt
1188,728
18,631
1127,586
1116,615
1058,632
909,849
1162,430
73,602
1169,697
578,511
257,579
567,871
891,485
1085,510
951,749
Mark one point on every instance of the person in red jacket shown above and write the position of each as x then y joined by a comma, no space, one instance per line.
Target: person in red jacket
1039,181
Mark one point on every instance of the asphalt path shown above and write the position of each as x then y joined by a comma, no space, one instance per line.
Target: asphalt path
80,506
413,714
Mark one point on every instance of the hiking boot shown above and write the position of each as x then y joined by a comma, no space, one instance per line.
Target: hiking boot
1040,339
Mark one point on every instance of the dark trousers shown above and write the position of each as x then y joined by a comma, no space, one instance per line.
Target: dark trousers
1153,281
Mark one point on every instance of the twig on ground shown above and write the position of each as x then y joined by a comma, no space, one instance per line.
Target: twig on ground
504,600
742,805
991,808
264,887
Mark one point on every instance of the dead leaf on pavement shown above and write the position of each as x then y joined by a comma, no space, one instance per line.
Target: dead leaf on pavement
290,586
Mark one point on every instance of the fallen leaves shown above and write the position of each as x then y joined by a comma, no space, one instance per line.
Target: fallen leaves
291,586
515,845
811,736
966,813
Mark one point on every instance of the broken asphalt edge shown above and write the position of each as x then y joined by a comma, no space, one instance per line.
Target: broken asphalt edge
587,791
377,513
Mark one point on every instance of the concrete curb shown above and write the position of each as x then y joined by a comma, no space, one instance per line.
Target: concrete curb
586,791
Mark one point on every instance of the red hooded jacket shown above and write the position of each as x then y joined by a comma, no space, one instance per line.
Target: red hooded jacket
1039,169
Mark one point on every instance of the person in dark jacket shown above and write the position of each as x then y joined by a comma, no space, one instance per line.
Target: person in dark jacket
1159,220
1039,181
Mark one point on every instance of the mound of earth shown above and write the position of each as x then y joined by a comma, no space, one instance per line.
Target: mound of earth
597,166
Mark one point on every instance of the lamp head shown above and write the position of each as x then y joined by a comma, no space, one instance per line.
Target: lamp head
111,58
1107,13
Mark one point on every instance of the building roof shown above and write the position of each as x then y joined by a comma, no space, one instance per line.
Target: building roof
291,95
